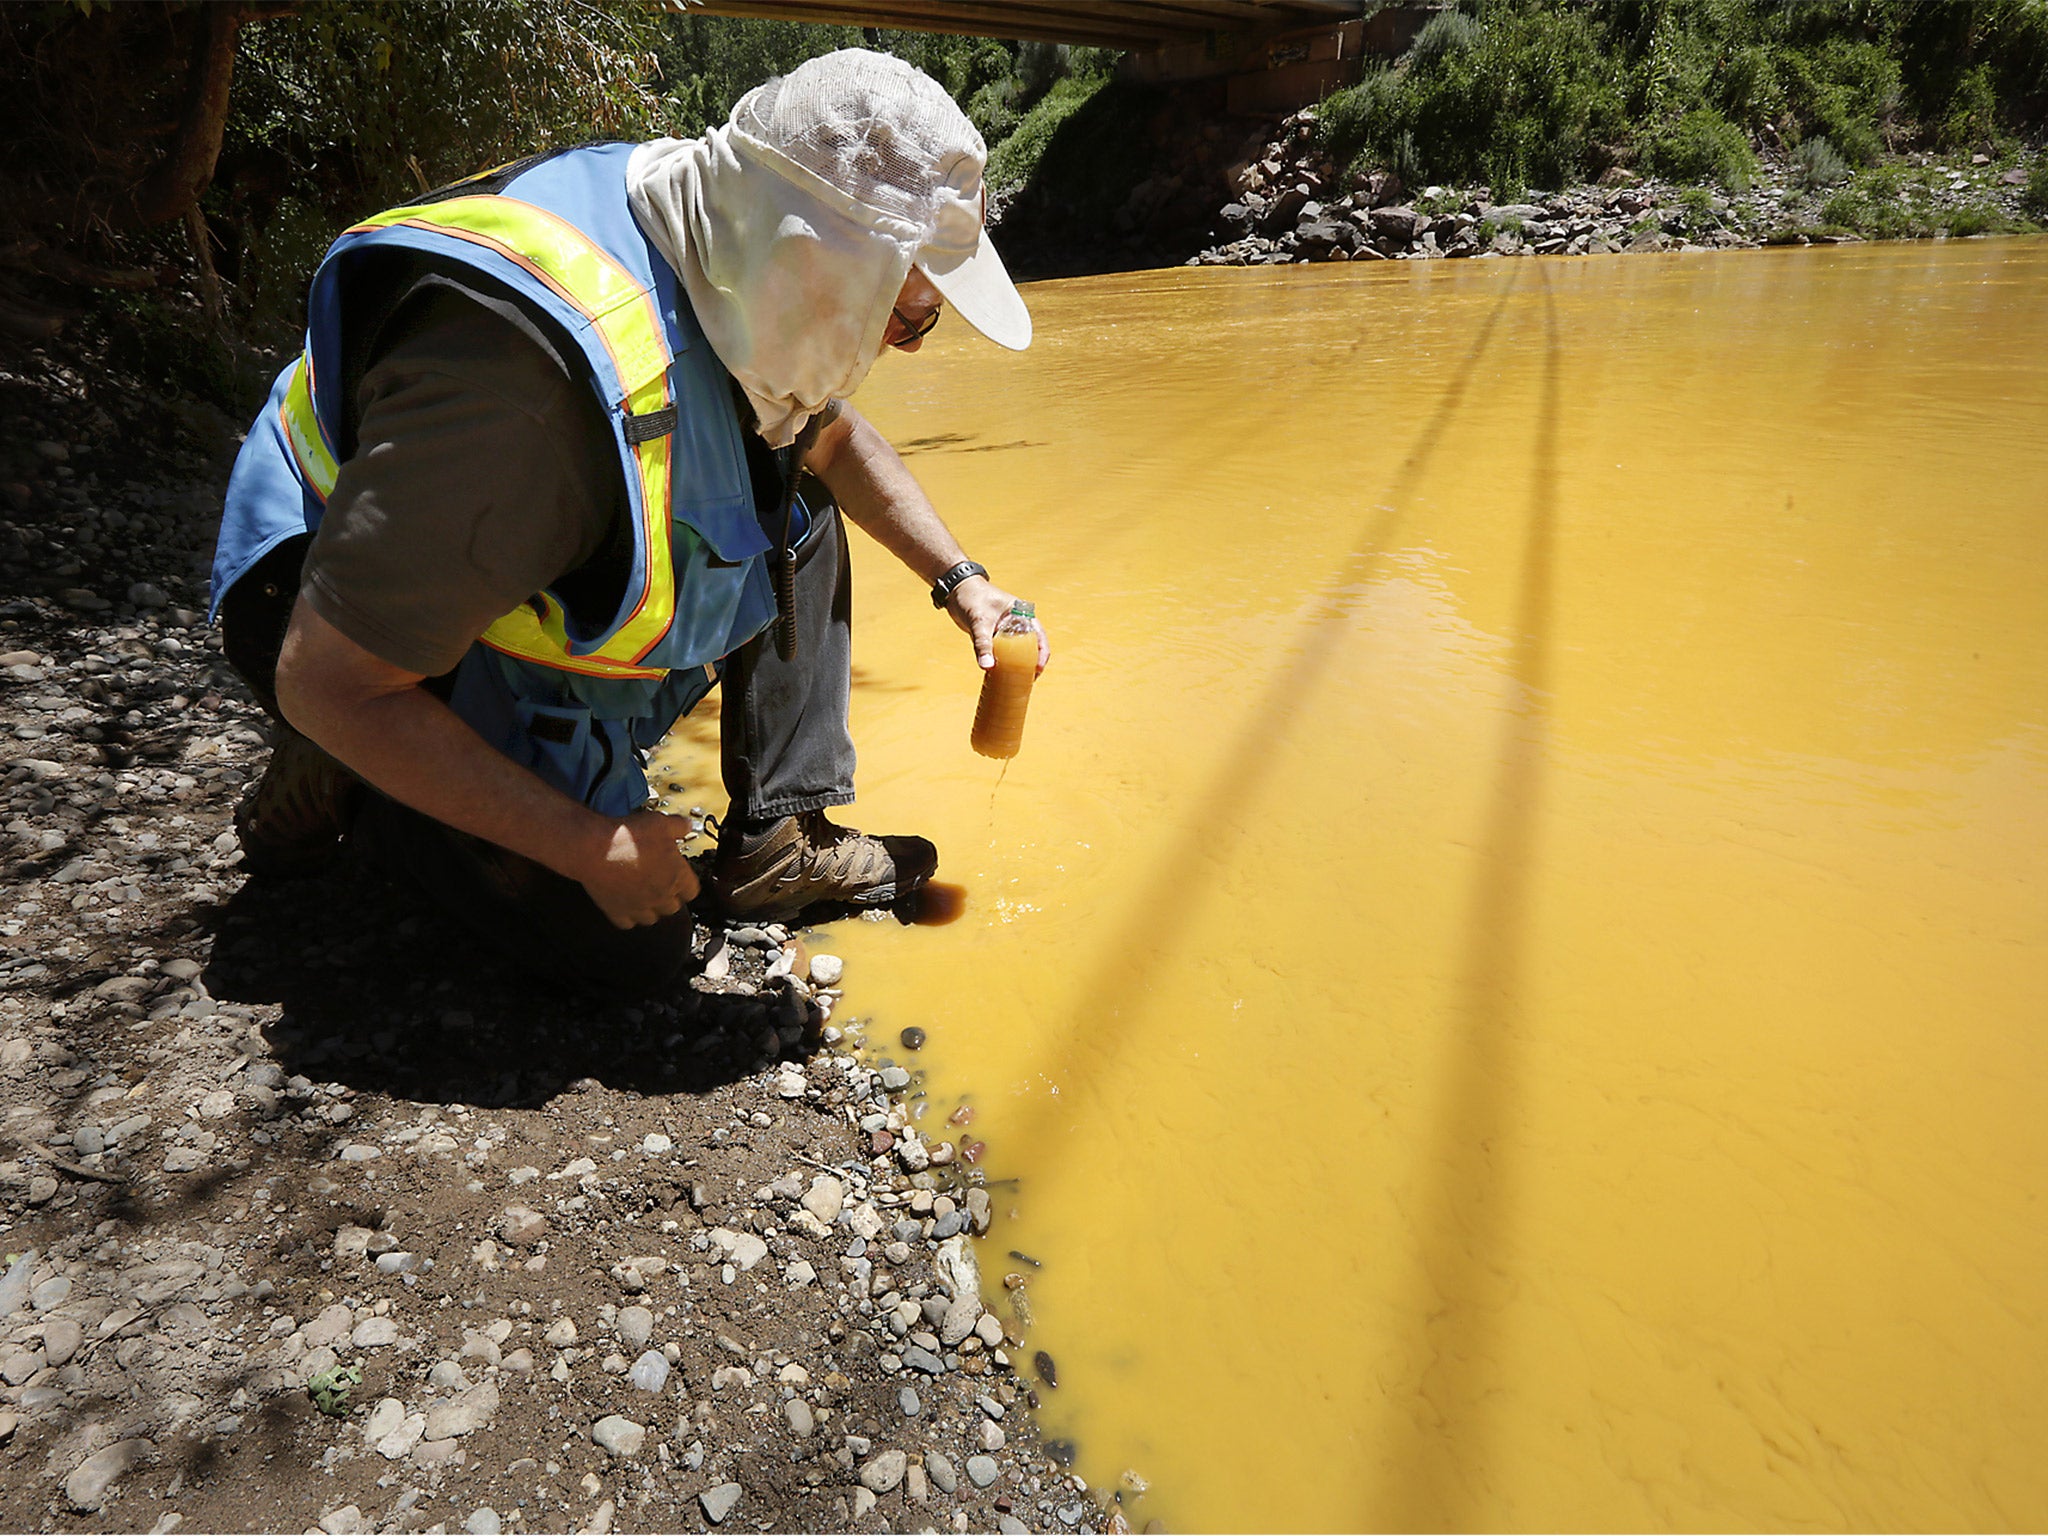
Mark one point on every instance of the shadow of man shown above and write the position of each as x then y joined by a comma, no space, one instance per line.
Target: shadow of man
383,997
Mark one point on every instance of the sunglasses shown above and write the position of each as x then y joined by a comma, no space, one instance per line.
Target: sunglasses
915,330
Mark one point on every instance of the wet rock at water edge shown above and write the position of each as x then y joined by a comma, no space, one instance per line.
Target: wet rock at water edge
1048,1372
913,1039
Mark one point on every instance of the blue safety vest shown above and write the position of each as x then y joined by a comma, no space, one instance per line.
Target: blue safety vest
577,697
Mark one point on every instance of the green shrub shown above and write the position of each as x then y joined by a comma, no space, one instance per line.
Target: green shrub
1447,33
1976,219
993,110
2035,198
1358,118
1696,204
1815,164
1846,209
1701,146
1972,117
1845,90
1748,91
1523,96
1012,162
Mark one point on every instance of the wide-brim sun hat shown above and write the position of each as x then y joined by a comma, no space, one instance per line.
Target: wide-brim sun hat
887,136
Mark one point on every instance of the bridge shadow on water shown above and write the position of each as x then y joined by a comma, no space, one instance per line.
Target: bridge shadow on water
1432,1452
1425,1459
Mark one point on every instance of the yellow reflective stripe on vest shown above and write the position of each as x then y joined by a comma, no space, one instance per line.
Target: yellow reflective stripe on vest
301,425
627,323
540,637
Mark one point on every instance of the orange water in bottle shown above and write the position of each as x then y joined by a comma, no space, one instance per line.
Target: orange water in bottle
1006,686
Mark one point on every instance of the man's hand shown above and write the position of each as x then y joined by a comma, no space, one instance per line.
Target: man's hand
978,605
378,720
643,876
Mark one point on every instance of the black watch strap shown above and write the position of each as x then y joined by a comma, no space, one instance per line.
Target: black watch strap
943,587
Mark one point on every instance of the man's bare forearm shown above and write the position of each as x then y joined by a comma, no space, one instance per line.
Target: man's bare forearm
417,750
876,489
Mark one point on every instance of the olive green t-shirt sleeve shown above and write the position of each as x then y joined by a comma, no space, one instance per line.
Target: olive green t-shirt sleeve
481,474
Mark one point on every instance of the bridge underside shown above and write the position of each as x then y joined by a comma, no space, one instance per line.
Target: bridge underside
1275,54
1134,26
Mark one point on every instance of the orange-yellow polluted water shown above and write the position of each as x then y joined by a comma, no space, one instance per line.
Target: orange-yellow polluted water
1509,986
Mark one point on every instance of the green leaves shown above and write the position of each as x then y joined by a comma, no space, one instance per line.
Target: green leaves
330,1388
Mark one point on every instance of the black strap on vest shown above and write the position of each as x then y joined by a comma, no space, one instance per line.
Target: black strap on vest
649,425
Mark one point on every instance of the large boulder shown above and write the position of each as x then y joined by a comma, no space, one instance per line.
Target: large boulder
1397,223
1284,209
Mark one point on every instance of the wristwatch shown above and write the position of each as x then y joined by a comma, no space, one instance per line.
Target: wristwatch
943,587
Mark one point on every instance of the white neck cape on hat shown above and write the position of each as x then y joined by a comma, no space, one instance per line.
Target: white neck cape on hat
794,226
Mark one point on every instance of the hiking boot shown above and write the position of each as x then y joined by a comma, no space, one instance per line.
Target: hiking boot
803,861
293,821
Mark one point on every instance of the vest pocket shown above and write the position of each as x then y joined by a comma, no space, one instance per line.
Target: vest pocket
558,742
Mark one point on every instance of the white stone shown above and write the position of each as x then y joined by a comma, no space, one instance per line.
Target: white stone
718,1501
650,1372
742,1249
826,970
826,1198
384,1418
884,1471
399,1444
959,1320
61,1338
620,1436
86,1487
463,1415
636,1327
330,1327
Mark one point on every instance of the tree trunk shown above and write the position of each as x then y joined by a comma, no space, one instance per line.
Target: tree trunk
176,184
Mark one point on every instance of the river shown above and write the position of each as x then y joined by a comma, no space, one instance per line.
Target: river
1507,984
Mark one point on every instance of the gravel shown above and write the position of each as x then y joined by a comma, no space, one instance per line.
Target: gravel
326,1222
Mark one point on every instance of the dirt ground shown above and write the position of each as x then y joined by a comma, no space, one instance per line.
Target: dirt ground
314,1217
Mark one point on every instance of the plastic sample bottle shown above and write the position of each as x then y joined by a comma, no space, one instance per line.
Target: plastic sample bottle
1006,686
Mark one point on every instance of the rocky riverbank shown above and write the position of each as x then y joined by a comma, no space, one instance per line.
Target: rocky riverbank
1291,203
315,1219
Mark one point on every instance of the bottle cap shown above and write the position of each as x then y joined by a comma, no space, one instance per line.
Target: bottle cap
1020,609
